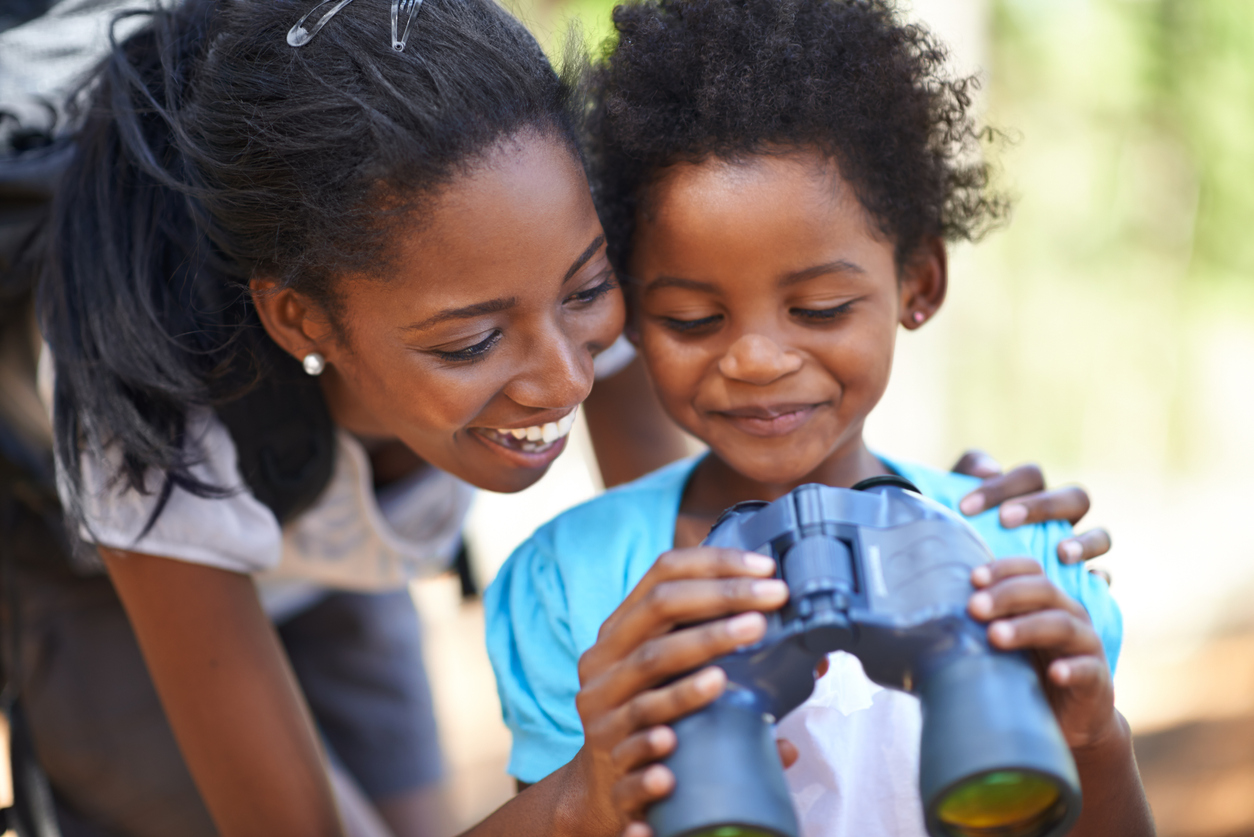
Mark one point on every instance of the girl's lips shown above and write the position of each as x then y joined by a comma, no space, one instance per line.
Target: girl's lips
768,422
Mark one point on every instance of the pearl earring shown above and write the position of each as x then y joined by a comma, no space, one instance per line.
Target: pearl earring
314,363
918,317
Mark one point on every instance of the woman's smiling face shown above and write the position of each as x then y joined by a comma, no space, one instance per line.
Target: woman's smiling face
485,328
766,308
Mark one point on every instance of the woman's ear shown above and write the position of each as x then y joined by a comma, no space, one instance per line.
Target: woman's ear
291,319
924,281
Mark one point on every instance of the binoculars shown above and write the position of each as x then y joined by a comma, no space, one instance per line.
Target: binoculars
883,573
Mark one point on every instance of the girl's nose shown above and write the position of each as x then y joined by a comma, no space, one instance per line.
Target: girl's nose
756,359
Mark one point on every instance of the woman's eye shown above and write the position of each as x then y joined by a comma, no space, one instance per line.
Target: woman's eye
690,326
596,292
821,315
470,352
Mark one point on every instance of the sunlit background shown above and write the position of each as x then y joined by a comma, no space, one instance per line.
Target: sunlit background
1107,333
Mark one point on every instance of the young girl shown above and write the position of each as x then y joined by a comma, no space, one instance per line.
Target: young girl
777,179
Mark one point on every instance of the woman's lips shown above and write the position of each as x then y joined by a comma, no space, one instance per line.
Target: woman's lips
770,420
531,447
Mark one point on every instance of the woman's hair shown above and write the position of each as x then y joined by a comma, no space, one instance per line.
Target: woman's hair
686,80
210,152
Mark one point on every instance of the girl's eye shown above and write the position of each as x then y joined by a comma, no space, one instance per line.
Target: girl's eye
470,353
691,326
821,315
596,292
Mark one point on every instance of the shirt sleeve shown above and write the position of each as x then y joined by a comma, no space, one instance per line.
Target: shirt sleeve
1077,582
536,661
236,532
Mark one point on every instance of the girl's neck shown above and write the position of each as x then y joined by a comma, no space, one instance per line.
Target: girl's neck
715,485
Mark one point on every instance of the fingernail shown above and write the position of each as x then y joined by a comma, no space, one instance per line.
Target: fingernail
747,626
1062,673
982,604
1071,551
759,563
710,681
1013,515
1003,632
982,576
972,503
657,779
770,589
661,739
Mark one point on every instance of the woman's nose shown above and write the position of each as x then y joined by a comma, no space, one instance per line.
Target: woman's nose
757,359
559,376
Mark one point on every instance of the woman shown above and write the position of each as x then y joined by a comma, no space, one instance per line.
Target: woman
309,284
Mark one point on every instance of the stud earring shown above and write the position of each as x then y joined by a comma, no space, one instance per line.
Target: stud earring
314,363
918,317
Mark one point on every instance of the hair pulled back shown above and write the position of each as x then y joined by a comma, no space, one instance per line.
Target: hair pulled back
691,79
210,152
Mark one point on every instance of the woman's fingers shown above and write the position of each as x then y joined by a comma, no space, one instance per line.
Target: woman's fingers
977,463
1026,479
1084,547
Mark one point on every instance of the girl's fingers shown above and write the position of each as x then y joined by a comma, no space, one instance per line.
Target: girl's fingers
1086,675
1026,479
698,562
1021,594
671,655
645,747
654,707
1057,633
977,463
1085,546
1003,568
788,753
640,788
1069,503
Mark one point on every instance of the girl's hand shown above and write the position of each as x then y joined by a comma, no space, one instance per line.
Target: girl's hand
628,687
1027,612
1032,503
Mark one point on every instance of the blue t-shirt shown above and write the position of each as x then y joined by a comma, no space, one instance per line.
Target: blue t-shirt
550,598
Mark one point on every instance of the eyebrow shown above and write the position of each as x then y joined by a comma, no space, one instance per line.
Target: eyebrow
839,266
496,305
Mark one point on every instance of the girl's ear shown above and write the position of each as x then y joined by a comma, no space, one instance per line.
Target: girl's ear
924,281
292,320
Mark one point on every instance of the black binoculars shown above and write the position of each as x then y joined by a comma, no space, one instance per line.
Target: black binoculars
883,573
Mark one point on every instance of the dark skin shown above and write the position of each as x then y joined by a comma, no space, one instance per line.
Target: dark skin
489,319
768,307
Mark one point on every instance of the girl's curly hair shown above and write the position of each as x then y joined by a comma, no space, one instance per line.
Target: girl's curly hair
690,79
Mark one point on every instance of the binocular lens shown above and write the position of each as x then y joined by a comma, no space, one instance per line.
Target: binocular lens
1005,803
732,831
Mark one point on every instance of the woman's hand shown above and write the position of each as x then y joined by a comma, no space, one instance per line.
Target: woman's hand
1033,503
646,670
1025,611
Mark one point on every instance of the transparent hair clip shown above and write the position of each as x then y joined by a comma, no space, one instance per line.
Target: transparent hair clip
300,34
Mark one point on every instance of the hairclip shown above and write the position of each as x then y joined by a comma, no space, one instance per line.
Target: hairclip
299,35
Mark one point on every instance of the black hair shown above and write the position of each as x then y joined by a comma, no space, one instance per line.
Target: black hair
210,152
686,80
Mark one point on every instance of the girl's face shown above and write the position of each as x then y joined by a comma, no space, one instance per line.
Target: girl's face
487,328
767,308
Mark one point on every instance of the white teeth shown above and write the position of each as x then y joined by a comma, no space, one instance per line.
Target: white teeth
540,436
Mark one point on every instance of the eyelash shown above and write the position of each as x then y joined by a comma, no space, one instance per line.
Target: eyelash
595,293
822,315
471,353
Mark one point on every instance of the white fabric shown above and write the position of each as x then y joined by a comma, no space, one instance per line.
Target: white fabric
347,540
614,359
858,769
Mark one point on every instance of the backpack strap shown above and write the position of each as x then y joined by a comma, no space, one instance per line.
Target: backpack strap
284,438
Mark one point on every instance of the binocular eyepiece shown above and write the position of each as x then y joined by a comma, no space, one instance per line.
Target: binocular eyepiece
883,573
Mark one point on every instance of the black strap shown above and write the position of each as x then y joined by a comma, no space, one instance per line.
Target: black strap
284,438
